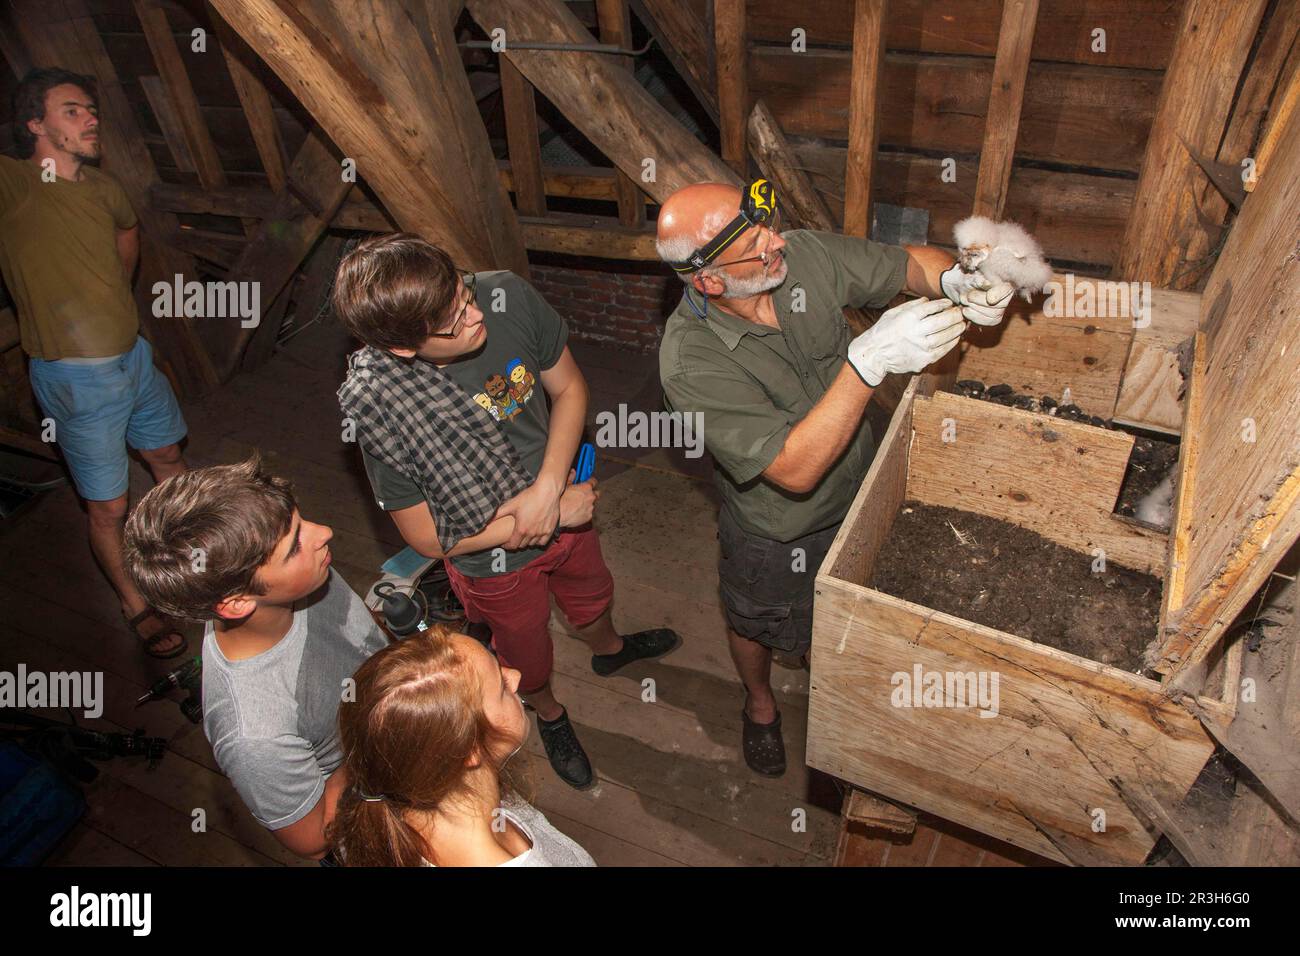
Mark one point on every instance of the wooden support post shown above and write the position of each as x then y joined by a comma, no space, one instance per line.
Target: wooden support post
1214,39
522,141
1007,93
616,28
385,80
171,69
600,98
731,54
63,33
864,114
255,101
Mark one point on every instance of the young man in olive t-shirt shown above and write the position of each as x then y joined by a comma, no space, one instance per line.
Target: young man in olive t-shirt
496,342
69,241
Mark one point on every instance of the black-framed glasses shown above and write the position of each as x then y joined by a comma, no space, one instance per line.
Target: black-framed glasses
772,226
469,280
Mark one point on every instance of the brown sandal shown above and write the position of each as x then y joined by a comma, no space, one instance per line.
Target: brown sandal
152,642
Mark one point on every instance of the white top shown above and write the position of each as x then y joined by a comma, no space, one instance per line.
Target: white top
549,847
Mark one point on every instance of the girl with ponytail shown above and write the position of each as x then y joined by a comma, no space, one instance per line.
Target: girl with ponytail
426,742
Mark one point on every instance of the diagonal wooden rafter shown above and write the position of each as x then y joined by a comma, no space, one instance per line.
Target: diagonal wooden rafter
601,98
171,69
684,37
256,102
299,214
386,83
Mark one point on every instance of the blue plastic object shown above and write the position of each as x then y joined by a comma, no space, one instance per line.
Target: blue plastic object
38,806
586,463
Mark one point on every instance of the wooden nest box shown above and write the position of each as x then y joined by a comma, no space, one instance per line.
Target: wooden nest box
1074,736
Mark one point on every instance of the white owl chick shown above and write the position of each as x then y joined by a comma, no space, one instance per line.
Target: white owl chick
1002,252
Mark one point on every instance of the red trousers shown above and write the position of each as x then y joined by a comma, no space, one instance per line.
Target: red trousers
517,605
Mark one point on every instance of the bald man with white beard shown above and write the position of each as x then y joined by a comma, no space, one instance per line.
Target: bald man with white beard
759,347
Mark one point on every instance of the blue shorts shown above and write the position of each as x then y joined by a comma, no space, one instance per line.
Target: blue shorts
98,409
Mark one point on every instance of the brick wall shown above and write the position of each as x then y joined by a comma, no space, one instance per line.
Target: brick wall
619,309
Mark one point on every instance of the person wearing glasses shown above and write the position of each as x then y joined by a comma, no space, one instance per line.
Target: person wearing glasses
463,452
760,347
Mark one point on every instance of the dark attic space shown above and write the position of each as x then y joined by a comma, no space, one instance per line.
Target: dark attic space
650,433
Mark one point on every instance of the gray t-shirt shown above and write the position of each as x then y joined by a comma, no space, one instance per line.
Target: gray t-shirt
550,847
272,719
524,339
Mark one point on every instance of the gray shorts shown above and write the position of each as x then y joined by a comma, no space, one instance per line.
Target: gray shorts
767,586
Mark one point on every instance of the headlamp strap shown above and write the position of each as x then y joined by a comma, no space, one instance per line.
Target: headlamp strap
757,205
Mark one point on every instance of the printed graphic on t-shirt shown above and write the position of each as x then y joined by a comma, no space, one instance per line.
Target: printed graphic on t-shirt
504,396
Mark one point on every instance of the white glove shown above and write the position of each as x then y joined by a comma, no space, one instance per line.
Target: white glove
907,338
981,301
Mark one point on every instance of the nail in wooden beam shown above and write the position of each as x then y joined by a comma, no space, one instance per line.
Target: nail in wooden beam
616,28
731,52
1002,120
864,115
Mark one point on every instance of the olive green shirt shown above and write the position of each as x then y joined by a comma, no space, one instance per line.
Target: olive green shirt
752,383
58,255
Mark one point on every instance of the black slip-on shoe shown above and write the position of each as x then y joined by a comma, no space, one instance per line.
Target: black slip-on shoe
763,746
636,647
564,750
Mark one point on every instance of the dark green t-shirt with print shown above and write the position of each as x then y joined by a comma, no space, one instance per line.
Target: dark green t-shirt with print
525,336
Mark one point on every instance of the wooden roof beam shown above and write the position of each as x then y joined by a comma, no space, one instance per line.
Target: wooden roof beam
256,102
522,140
868,58
171,69
1214,39
601,98
731,57
1006,96
616,28
386,82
